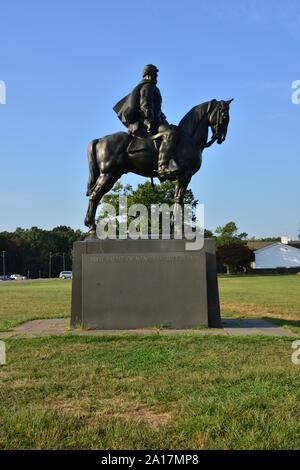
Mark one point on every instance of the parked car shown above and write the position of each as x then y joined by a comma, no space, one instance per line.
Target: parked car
65,275
5,278
18,277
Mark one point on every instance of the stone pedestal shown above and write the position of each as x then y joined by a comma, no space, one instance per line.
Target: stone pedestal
129,284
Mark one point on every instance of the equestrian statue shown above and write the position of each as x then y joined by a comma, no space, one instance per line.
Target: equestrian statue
152,147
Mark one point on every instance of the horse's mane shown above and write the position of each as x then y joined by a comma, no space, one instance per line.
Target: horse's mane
190,121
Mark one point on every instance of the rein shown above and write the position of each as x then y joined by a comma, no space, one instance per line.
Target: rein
215,136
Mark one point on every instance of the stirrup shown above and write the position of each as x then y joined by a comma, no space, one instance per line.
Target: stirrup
172,171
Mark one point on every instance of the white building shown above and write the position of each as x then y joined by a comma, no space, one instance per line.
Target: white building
276,255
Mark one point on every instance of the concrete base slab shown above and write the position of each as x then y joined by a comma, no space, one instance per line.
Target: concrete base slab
231,327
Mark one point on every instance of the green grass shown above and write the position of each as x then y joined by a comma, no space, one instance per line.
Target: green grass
23,301
183,392
154,392
275,298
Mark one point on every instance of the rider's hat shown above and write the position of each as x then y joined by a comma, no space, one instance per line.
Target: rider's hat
148,69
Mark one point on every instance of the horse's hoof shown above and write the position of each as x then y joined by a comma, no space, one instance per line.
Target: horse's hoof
91,234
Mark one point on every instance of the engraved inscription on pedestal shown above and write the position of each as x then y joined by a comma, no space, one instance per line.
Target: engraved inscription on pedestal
123,291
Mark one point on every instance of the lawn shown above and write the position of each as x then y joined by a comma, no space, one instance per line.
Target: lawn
23,301
183,392
276,298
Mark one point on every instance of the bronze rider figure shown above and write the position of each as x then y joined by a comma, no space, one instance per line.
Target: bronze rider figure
141,113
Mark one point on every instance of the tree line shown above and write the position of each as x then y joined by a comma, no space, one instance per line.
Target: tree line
36,252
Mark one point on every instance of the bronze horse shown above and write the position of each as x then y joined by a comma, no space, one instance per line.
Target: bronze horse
114,155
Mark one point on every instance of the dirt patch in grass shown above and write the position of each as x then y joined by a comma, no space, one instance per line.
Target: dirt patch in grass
68,407
113,408
145,415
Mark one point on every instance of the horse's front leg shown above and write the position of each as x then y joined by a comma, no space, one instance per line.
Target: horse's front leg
181,186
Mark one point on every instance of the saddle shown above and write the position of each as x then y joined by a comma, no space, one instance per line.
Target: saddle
144,144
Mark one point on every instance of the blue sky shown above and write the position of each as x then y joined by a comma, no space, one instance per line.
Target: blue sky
66,63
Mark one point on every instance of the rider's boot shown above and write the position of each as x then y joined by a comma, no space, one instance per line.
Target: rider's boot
168,169
167,166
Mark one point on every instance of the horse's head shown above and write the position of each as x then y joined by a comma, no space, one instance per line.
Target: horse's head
219,120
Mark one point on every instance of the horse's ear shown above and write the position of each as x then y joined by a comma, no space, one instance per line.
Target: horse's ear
229,101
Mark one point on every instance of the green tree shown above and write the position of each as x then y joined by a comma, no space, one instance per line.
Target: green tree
208,234
228,234
147,195
29,249
265,239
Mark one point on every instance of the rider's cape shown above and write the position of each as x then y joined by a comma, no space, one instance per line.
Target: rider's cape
128,108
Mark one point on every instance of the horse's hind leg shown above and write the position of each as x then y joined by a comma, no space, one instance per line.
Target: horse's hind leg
104,183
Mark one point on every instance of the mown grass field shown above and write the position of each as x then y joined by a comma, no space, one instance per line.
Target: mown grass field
184,392
29,300
138,392
276,298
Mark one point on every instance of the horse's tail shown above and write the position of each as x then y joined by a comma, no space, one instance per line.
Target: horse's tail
93,165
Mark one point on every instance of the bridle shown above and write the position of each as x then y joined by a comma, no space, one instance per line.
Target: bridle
217,109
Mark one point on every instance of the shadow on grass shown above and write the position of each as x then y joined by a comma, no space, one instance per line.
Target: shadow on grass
293,325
